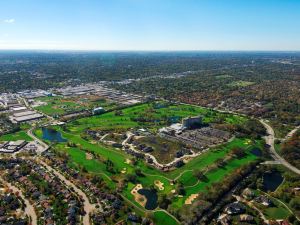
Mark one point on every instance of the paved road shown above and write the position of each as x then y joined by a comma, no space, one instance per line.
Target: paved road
29,209
43,145
270,141
291,133
88,207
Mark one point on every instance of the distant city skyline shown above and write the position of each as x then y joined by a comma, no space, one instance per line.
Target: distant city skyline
150,25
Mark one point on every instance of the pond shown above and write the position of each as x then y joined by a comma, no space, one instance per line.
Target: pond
257,152
52,135
271,180
151,197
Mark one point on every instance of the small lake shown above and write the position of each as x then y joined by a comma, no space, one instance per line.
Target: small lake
257,152
151,197
271,180
52,135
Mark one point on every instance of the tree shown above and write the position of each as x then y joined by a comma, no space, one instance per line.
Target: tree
139,172
163,201
131,178
295,203
238,152
199,175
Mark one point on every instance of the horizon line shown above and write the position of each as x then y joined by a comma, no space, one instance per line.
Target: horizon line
141,50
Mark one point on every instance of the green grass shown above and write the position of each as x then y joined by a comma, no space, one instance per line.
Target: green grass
151,174
279,212
20,135
162,218
59,105
56,106
155,118
213,176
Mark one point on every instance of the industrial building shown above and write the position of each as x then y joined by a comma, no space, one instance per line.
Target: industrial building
12,146
25,116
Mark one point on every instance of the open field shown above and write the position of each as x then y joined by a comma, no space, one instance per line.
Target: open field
58,105
160,217
151,116
20,135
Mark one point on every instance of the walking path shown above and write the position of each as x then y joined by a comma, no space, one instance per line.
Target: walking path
29,209
88,207
270,141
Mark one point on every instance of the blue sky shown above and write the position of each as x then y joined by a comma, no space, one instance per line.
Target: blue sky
150,24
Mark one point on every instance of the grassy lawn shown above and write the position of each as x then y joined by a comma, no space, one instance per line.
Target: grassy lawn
118,157
59,105
20,135
183,174
163,218
279,212
213,176
150,116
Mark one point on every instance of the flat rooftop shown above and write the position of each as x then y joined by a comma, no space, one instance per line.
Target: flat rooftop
26,113
28,117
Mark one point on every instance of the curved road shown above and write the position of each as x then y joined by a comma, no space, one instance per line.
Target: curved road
88,207
291,133
270,141
29,209
41,143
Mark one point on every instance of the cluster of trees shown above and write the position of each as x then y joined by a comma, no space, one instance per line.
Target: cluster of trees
6,126
290,149
262,88
239,80
202,207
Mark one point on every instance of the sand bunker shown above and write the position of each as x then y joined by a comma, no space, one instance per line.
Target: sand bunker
124,170
138,197
159,184
128,161
247,142
190,199
89,156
